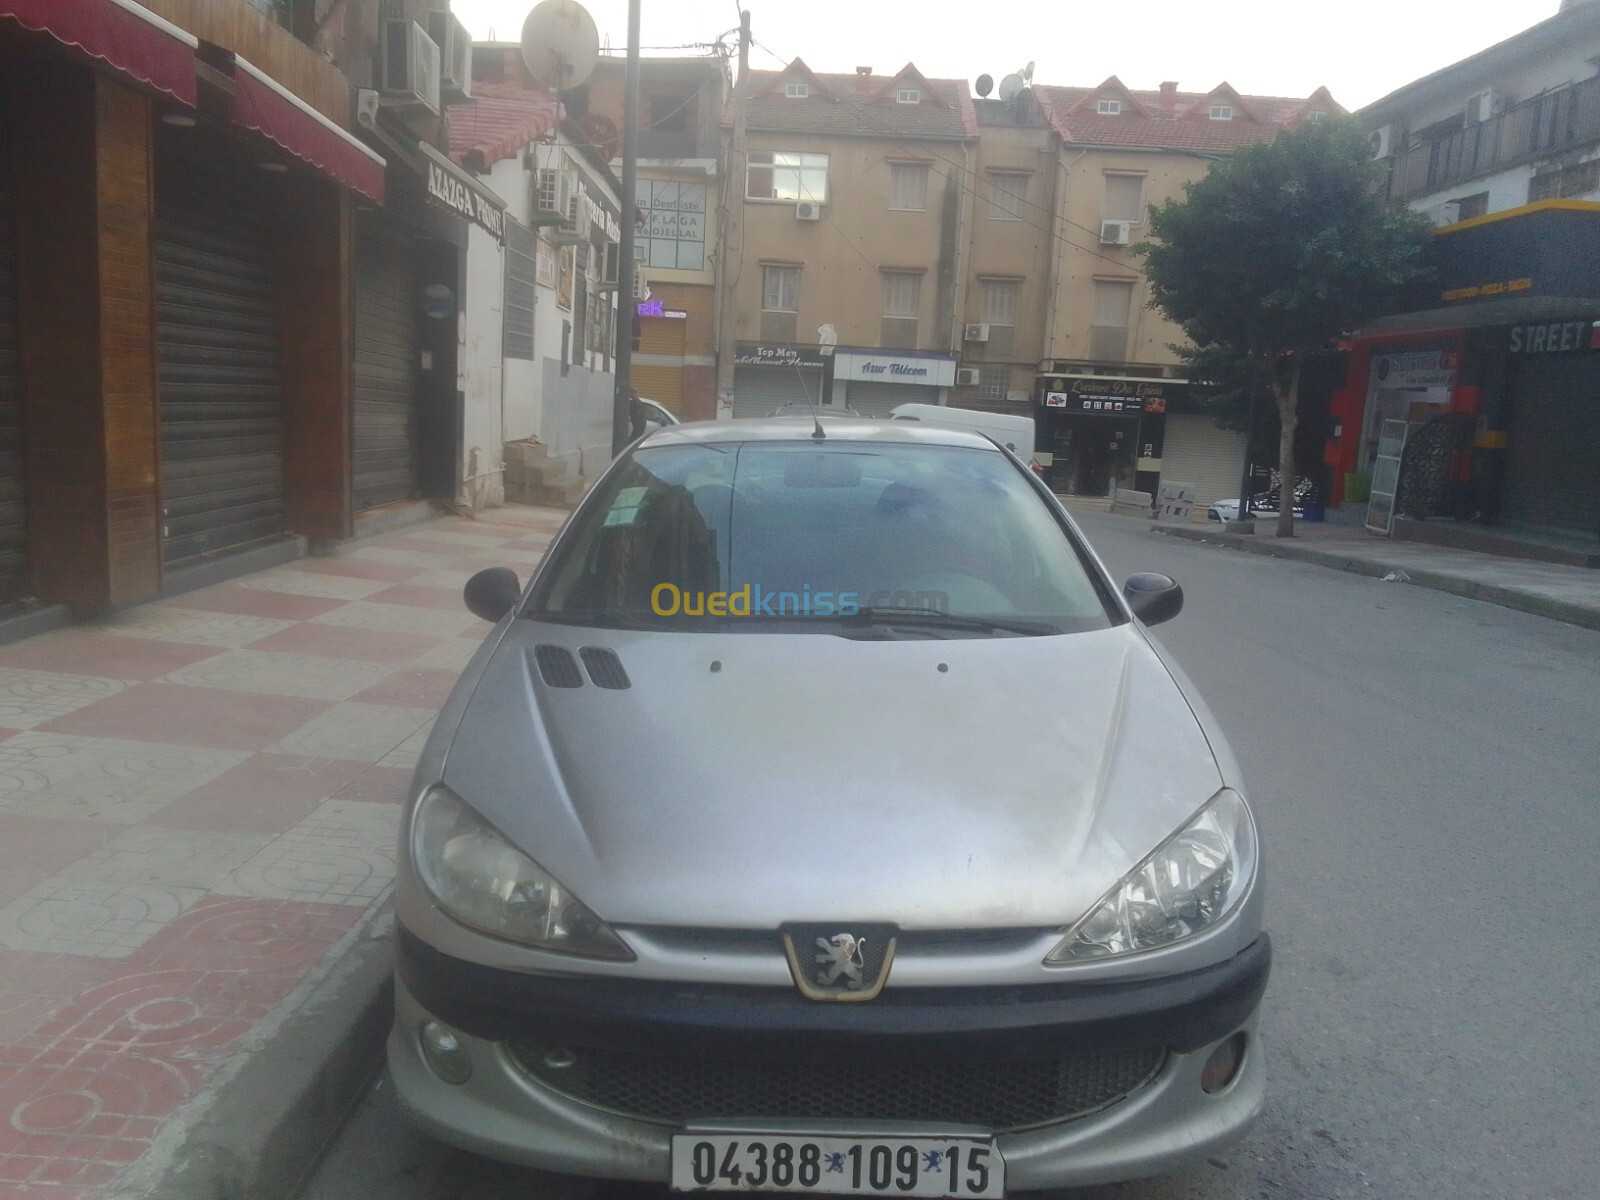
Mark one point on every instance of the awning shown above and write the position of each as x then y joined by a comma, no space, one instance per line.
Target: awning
262,104
120,33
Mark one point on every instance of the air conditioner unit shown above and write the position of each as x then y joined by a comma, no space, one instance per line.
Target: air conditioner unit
1113,233
1480,108
966,376
410,66
455,54
641,288
1383,141
807,210
1444,214
978,332
555,197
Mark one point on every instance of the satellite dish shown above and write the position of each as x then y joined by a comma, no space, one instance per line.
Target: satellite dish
560,44
1027,72
1010,86
984,85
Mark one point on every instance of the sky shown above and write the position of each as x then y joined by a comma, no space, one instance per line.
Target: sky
1360,49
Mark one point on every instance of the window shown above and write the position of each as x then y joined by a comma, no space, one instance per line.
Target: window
780,289
997,302
1475,205
908,186
908,96
901,291
1008,193
519,284
993,382
1108,108
1316,118
796,91
779,175
1108,334
1124,199
1222,112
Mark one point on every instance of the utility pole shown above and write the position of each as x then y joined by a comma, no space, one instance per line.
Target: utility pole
622,407
730,255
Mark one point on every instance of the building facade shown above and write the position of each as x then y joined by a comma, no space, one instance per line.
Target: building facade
1482,402
207,353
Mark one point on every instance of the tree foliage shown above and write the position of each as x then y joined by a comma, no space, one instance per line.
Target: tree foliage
1274,254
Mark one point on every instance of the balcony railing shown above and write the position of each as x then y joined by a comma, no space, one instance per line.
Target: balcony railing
1553,121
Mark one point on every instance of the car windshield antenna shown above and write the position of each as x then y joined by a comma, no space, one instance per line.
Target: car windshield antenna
816,432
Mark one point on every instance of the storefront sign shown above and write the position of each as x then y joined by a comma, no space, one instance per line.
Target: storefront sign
894,368
1414,369
601,218
769,354
656,308
1543,250
1554,337
1103,394
453,192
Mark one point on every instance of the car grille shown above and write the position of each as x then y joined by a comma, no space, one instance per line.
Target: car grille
999,1095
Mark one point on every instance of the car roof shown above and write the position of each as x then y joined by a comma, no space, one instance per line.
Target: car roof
834,427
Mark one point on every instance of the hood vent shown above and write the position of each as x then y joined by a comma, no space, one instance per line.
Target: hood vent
557,668
605,668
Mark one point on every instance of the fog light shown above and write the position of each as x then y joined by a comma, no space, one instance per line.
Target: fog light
1222,1068
444,1052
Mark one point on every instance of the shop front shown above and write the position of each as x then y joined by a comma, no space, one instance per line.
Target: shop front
769,375
1102,432
874,382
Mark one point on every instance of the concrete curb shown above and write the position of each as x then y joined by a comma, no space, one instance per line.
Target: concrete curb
1520,599
258,1130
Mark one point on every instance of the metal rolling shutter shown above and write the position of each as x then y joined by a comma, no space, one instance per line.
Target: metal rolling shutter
760,391
879,399
13,530
1209,459
387,296
217,347
1553,467
658,363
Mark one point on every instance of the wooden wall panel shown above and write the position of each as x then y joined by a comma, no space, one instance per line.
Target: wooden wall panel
313,237
126,203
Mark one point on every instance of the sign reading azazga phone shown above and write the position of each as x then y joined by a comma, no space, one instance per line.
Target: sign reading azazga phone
464,196
894,368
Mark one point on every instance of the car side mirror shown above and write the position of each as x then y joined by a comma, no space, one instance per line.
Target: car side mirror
1153,597
492,593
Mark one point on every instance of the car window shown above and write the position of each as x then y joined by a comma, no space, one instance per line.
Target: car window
808,532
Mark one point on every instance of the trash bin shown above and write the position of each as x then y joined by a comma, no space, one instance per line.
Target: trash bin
1313,512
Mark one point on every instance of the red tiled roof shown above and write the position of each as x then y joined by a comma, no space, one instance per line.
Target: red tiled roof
859,105
1178,121
499,120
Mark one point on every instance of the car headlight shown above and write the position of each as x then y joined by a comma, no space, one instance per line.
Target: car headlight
1190,883
482,880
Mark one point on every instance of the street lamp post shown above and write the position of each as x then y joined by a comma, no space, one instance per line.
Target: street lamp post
621,409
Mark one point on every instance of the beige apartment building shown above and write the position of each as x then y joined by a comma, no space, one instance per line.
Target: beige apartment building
847,252
1112,408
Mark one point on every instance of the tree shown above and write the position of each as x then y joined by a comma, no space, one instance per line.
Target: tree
1278,251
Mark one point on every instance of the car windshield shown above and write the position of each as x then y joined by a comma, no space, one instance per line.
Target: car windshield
871,539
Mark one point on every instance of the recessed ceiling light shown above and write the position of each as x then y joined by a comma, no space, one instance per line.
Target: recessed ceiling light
181,120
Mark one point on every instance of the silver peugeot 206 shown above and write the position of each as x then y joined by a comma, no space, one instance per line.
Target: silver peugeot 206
820,817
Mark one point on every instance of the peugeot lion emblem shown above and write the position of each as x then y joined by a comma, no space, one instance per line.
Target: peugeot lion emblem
832,964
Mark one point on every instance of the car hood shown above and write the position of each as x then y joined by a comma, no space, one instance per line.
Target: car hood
746,780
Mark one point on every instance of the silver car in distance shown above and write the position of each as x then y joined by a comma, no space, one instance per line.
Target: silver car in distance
822,818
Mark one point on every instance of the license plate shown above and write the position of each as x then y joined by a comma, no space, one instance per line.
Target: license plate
844,1166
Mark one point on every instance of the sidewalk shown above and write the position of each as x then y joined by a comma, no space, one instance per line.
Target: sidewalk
199,801
1561,593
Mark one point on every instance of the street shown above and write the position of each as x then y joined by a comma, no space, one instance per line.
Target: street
1424,771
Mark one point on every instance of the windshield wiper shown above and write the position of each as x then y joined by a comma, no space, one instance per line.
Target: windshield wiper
926,619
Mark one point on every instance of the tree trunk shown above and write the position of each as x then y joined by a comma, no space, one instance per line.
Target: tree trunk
1288,410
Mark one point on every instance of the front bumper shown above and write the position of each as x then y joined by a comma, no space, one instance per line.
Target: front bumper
507,1110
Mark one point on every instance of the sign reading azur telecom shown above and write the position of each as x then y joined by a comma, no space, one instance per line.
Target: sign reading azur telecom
894,368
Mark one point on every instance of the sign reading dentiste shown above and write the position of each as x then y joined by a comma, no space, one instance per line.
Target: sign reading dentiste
894,368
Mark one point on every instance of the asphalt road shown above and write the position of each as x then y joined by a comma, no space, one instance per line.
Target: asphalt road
1427,774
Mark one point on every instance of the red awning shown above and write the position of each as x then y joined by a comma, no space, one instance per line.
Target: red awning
120,33
262,104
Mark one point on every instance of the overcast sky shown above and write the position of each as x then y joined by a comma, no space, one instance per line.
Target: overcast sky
1360,49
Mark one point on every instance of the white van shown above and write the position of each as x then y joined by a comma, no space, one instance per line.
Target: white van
1014,433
